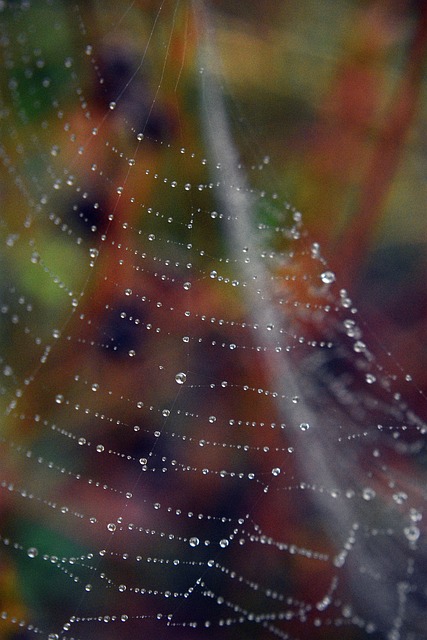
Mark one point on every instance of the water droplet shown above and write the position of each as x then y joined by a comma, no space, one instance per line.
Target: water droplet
212,419
59,399
140,136
131,352
224,543
32,552
412,533
88,587
368,493
304,426
111,526
180,377
194,542
100,448
275,471
187,285
327,277
112,106
122,587
359,346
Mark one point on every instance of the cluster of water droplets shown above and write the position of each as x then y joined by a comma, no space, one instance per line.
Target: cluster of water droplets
148,419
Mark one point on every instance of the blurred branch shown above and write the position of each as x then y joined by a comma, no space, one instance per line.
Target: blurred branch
384,162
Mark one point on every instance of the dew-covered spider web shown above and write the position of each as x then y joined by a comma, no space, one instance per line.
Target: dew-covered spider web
198,438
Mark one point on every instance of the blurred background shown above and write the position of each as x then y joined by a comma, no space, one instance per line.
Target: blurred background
100,115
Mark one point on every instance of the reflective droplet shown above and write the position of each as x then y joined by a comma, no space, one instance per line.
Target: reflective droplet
32,552
275,471
112,106
368,493
327,277
412,533
100,448
111,526
59,399
88,587
180,377
194,542
187,285
359,346
304,426
223,543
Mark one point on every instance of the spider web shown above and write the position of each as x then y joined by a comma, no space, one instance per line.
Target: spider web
197,438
